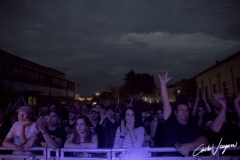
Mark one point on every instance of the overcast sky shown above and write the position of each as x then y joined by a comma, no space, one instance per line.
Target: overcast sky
101,40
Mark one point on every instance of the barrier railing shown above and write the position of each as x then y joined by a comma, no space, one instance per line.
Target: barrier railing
165,153
56,153
103,154
26,154
171,153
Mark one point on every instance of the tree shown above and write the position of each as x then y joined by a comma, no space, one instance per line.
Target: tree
187,86
136,83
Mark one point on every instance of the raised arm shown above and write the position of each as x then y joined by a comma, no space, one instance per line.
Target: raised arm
208,108
194,111
217,123
167,110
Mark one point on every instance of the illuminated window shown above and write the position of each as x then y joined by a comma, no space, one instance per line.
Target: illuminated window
32,100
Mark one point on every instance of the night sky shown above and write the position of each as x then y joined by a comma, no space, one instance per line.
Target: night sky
98,42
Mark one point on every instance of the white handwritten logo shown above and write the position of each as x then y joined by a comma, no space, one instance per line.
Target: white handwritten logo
209,148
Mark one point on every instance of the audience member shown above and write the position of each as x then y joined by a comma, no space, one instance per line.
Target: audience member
109,125
22,134
82,137
69,124
177,128
131,131
222,125
49,132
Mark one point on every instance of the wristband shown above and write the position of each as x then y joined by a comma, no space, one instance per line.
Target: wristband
121,136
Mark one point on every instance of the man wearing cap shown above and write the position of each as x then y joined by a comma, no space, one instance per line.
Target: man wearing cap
22,132
97,128
49,132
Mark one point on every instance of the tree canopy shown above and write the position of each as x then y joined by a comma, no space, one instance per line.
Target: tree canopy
139,82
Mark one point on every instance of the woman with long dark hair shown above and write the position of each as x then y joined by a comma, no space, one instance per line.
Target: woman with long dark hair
131,131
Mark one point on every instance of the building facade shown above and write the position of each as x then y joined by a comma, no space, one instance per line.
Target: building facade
223,77
37,83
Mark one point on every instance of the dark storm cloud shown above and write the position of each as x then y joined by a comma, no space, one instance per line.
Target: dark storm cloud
100,41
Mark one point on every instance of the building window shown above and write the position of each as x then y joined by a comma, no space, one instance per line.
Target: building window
14,68
32,100
20,70
26,72
31,73
225,89
214,88
36,74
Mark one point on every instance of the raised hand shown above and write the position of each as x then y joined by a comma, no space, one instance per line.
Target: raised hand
130,123
26,123
103,114
41,124
222,104
164,78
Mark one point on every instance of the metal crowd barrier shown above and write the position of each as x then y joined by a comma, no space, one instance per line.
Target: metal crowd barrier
122,154
56,155
216,154
101,153
27,154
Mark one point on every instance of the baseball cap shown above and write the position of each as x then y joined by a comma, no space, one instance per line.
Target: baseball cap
25,109
95,110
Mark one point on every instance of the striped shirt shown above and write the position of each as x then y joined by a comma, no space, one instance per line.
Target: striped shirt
127,142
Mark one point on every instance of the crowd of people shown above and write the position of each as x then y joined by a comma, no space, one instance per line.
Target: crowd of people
183,124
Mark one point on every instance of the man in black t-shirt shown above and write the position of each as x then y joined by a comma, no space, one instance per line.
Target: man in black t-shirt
178,128
50,134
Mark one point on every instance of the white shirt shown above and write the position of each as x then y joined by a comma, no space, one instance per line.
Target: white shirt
15,130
